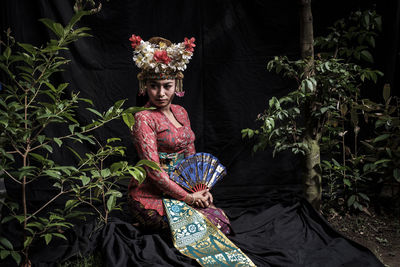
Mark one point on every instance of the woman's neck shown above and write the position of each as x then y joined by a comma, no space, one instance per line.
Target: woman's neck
166,109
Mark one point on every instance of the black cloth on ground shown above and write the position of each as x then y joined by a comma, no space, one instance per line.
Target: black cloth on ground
273,227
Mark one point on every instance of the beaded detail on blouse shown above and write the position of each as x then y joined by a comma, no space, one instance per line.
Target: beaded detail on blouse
153,133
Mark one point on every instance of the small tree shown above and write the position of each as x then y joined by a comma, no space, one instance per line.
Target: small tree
29,104
328,87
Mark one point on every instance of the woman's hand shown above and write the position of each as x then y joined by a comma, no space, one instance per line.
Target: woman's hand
203,199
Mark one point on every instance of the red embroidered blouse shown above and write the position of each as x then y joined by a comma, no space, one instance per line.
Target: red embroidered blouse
152,133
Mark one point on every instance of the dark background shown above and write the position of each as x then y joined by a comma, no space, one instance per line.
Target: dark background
227,83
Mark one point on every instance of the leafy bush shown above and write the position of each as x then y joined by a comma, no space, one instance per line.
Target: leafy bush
317,116
30,103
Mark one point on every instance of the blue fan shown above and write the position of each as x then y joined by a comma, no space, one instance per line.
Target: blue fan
198,172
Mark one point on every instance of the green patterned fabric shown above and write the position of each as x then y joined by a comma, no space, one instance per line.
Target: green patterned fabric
197,238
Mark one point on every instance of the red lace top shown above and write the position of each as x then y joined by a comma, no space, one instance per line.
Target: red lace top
152,133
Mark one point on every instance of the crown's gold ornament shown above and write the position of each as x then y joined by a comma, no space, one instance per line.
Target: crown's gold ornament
160,59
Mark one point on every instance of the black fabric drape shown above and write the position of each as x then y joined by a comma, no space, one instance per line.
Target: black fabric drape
226,85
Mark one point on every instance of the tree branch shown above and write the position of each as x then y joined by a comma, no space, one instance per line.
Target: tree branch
12,177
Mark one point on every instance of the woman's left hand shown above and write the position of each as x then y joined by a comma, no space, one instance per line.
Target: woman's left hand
203,198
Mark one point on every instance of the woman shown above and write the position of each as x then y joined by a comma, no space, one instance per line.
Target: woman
163,134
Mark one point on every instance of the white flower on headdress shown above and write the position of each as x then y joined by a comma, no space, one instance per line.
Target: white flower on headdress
160,57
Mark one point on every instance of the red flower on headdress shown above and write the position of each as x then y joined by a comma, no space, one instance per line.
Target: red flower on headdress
189,44
135,40
161,56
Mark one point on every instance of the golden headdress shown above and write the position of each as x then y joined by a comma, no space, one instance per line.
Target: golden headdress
160,59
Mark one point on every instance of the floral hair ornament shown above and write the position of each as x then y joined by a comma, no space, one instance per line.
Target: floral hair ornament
160,59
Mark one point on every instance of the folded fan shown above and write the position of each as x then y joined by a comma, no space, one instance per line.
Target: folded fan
198,172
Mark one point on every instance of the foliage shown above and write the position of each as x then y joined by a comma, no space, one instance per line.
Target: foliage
325,103
30,103
383,151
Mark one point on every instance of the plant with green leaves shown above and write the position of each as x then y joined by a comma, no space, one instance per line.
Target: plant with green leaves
100,182
30,104
326,92
383,150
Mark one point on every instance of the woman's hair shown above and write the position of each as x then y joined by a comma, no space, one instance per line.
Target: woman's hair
157,40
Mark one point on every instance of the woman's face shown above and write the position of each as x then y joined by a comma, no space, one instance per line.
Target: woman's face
160,92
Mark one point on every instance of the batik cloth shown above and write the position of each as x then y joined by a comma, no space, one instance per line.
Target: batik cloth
196,237
200,233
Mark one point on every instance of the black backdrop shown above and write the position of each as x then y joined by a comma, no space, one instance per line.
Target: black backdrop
226,83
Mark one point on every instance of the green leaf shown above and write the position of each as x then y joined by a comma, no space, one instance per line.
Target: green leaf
16,257
7,244
336,163
110,140
47,238
250,133
366,55
4,254
386,92
75,153
381,161
86,100
52,173
95,112
137,109
364,196
57,28
72,127
366,20
324,109
85,179
7,219
381,138
60,236
28,47
378,21
347,182
58,141
48,148
139,174
41,138
396,174
62,86
153,165
52,88
28,241
71,203
129,119
105,173
111,202
36,224
20,218
7,52
351,200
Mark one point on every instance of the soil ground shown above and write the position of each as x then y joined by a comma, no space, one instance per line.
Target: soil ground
380,233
